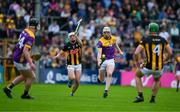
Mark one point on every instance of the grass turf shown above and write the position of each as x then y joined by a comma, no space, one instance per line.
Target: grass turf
88,98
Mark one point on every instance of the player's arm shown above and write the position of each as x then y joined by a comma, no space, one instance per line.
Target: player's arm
138,50
169,51
78,40
59,53
120,51
99,56
27,54
175,63
28,57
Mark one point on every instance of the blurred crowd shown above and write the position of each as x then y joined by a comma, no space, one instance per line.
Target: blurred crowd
128,20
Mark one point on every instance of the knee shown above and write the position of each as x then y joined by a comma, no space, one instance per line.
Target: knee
157,79
139,74
72,77
109,74
178,77
33,77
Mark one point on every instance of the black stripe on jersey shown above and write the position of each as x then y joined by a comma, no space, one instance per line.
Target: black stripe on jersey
163,46
157,61
75,59
80,54
69,61
150,54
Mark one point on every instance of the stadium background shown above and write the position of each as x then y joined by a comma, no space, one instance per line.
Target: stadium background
128,20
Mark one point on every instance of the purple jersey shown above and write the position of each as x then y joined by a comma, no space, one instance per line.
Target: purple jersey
108,46
26,39
178,63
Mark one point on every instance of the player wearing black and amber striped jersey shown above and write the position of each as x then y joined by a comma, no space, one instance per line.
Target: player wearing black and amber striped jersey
73,51
154,47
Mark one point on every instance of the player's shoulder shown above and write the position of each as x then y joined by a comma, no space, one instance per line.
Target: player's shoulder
113,37
67,44
144,39
29,33
163,39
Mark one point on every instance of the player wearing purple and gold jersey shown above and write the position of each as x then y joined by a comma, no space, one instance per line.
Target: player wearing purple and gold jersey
22,59
177,70
105,58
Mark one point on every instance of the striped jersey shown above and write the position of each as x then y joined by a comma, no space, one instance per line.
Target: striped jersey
154,49
74,52
26,39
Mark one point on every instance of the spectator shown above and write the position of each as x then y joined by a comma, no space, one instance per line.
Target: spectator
174,32
53,29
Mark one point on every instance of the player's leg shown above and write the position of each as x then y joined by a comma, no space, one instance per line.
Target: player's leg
78,69
30,76
139,86
102,71
77,81
101,75
17,80
178,79
155,89
109,71
71,75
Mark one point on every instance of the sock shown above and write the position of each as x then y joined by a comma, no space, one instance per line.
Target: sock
25,92
70,81
105,91
153,97
11,86
140,94
177,86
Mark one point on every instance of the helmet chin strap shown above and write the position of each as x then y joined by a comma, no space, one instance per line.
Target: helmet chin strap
107,36
73,41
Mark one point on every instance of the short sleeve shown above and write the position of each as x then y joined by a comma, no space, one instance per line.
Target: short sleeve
29,42
166,43
99,44
142,42
114,39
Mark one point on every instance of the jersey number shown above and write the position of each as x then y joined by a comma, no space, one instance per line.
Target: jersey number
157,50
21,42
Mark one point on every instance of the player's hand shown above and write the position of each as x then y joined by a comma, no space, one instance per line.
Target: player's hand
54,57
33,66
36,57
121,53
99,63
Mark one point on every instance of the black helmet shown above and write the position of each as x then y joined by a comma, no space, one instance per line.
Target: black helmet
34,22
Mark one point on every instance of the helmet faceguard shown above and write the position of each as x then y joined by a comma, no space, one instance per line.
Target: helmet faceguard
107,32
72,39
33,22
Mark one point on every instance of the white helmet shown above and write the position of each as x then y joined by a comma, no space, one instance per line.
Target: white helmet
106,29
70,34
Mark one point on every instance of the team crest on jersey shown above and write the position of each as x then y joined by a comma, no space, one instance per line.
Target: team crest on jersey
74,51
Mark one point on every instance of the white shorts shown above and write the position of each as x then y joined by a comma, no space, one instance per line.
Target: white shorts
74,67
178,73
107,62
148,72
21,66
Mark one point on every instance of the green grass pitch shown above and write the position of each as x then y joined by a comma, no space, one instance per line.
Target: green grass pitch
88,98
